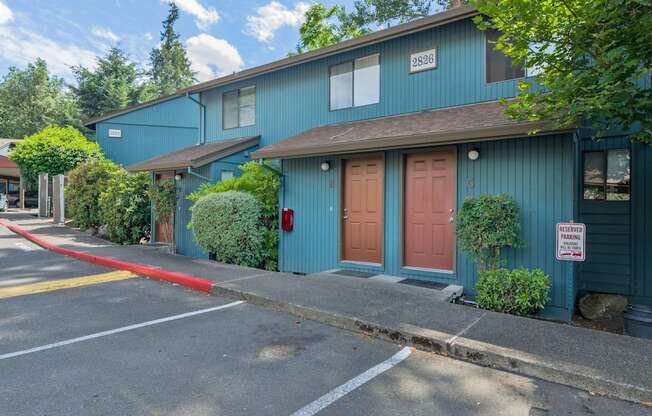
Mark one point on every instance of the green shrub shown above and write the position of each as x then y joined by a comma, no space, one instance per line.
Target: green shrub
227,224
125,207
264,186
83,188
519,291
53,150
485,225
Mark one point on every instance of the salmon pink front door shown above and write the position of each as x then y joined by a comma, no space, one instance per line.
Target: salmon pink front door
362,210
429,210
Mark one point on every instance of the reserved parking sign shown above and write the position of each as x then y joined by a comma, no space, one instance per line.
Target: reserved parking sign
571,241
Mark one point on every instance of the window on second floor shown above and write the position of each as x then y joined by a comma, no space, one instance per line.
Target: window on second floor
499,66
355,83
239,108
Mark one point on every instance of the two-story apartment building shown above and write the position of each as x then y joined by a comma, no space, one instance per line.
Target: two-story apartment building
379,139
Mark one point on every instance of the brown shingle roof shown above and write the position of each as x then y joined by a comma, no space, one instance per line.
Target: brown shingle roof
195,156
484,121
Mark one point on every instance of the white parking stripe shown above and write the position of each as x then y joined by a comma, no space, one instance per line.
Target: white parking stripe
353,384
117,330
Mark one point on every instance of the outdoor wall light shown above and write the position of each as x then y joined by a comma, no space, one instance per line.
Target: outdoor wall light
325,166
178,177
473,154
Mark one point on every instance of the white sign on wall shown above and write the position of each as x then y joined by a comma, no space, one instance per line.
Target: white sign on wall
571,241
115,133
424,60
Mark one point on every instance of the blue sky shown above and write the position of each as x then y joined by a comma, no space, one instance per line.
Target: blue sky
221,36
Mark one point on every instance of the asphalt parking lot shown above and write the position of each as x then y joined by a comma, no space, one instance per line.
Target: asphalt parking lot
140,347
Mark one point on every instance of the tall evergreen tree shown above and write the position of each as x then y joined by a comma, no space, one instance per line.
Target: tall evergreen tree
32,99
111,86
170,66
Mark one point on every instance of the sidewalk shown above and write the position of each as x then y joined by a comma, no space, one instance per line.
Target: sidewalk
599,362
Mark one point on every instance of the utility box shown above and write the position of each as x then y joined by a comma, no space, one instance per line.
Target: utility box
58,201
43,196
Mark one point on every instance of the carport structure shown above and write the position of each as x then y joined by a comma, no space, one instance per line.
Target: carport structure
190,167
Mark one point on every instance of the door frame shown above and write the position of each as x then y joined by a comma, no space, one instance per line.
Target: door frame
340,207
402,166
172,242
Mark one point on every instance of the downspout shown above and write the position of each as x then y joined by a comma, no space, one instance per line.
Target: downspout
193,173
201,139
281,203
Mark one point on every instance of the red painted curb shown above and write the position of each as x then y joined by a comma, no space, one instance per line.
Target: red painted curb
196,283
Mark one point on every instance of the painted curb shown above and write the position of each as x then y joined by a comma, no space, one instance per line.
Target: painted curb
458,347
196,283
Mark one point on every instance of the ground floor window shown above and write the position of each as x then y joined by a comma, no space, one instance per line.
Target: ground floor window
607,175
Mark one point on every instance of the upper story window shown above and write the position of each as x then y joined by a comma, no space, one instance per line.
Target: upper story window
355,83
499,66
239,108
607,175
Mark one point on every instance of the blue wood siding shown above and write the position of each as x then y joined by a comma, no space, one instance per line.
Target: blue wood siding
150,131
185,243
642,223
295,99
537,172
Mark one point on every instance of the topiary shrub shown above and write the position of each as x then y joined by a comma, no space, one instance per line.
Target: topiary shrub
125,207
227,225
519,291
485,225
264,186
84,185
53,150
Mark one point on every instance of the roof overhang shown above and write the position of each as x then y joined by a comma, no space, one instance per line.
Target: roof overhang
453,125
195,156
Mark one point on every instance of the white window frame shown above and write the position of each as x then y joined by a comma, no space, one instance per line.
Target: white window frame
353,104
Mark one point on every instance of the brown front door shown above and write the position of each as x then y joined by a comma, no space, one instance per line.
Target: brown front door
429,209
363,210
164,229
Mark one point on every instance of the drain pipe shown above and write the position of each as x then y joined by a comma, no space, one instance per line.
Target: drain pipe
193,173
202,119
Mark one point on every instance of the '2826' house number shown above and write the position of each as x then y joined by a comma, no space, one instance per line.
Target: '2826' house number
423,60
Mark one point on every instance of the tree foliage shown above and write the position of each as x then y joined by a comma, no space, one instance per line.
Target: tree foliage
32,99
593,58
53,150
113,85
485,225
163,196
84,186
227,225
170,66
125,207
326,25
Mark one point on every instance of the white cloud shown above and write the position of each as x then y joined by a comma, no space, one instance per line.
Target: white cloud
211,57
271,17
103,33
149,36
22,46
204,16
5,13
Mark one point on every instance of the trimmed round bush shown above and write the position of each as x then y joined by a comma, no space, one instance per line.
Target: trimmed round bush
227,224
83,188
519,291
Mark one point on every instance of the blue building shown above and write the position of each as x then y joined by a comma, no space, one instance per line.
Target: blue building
379,139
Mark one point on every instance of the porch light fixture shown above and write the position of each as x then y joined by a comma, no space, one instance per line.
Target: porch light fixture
473,154
325,166
178,177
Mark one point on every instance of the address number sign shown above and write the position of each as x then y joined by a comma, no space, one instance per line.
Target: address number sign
424,60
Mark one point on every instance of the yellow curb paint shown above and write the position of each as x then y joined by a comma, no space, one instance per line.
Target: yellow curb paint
52,285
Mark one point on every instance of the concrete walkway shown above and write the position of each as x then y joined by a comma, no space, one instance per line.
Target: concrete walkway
603,363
